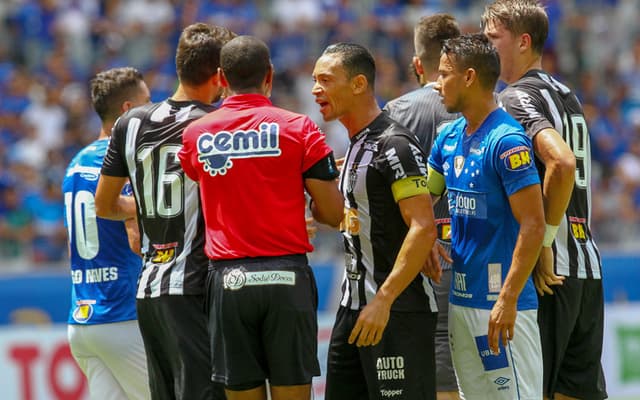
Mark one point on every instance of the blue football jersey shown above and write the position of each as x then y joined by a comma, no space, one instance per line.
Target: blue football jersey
481,171
104,270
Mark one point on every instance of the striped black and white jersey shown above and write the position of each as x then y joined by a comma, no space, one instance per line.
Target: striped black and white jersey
144,146
373,229
422,112
539,101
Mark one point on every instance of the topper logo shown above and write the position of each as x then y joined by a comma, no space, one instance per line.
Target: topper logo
216,151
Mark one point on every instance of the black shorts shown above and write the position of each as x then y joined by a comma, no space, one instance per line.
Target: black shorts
263,321
445,374
174,331
571,329
401,366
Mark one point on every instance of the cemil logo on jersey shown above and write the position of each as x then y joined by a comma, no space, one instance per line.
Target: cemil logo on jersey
517,158
216,150
164,253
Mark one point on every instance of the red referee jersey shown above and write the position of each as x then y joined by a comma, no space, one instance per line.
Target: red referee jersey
248,157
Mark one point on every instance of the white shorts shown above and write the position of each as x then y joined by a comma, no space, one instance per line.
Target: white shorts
516,373
112,358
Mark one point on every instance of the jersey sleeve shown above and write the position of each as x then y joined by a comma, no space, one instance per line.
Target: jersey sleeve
435,158
527,107
399,158
188,155
514,162
114,163
315,145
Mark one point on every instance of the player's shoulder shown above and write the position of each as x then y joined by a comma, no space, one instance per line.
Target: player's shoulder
503,123
140,113
413,100
91,153
389,128
452,128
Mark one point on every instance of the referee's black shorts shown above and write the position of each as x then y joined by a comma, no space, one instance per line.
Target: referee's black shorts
263,321
402,366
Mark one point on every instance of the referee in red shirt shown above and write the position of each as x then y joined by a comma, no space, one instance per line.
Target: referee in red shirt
253,162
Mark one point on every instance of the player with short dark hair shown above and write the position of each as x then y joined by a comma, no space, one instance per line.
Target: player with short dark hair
103,331
484,160
144,148
568,275
253,162
382,340
422,112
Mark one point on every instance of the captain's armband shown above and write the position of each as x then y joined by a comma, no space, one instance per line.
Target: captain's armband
435,182
408,187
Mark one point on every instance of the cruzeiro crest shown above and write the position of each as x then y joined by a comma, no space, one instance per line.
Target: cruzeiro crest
216,151
458,163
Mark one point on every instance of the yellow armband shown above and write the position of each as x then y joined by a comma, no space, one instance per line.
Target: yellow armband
408,187
435,182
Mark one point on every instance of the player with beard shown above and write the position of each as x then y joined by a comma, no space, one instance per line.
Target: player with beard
144,148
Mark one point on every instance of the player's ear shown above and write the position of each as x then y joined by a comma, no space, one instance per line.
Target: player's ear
417,64
359,84
126,106
268,81
470,76
221,80
525,42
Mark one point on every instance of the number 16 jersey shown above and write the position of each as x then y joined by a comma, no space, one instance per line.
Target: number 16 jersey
144,147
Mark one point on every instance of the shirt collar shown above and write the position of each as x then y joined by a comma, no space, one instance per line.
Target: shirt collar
246,99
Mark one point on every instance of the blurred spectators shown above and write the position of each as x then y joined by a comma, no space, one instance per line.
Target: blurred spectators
49,49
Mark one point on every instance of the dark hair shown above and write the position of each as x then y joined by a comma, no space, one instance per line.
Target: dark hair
198,53
356,60
518,17
475,51
245,61
429,34
110,88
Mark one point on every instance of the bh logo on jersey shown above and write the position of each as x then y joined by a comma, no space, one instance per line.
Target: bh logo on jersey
216,151
517,158
164,253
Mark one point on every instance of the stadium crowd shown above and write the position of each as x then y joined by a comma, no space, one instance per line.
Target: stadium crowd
49,49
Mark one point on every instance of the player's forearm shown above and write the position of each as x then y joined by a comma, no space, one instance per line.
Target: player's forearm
559,176
122,208
557,189
411,258
524,258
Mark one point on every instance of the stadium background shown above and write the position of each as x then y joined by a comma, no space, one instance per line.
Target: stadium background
49,49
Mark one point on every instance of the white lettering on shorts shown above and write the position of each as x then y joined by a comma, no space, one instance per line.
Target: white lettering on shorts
391,393
390,368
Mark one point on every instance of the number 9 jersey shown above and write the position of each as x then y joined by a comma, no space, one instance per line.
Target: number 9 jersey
104,270
538,101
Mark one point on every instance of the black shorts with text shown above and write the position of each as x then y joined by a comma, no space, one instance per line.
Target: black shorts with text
401,367
263,321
